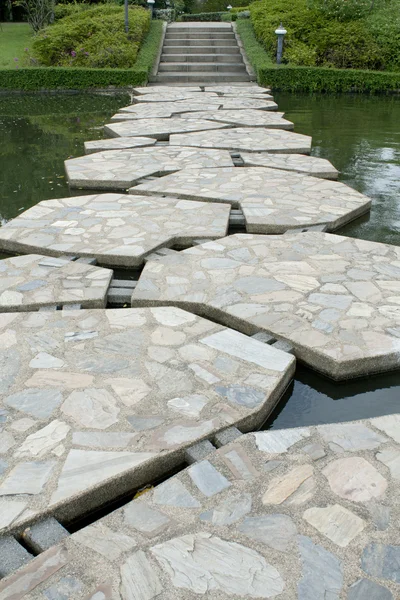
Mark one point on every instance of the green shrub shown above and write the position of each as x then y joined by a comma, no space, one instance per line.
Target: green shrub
346,46
255,52
341,10
214,16
66,10
298,53
384,27
93,38
213,6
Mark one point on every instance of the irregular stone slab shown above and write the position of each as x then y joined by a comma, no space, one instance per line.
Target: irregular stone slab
300,288
203,563
239,90
175,542
311,165
322,572
249,139
237,103
155,89
381,560
351,437
336,522
276,442
248,118
118,144
391,458
276,531
165,110
29,282
281,488
115,229
105,407
389,424
355,479
120,169
160,129
365,588
272,201
175,94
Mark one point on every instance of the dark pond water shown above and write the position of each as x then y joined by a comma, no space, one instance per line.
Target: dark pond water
359,135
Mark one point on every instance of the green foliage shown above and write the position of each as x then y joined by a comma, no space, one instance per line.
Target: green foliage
214,6
255,52
93,38
317,35
343,10
319,79
66,10
71,78
211,16
312,79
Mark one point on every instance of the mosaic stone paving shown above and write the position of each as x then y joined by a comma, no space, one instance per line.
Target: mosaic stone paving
174,94
249,139
162,89
94,400
272,201
238,90
298,514
247,118
160,129
164,110
235,103
29,282
117,229
118,144
335,299
312,165
119,169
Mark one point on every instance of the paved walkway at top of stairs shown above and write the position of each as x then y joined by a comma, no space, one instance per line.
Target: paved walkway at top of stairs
201,52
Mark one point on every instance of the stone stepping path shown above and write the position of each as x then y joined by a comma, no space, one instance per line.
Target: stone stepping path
248,521
248,118
272,201
311,165
120,169
160,129
118,143
30,282
333,298
95,400
116,229
97,403
248,139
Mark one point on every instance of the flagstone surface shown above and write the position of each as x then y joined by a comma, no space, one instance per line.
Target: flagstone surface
165,110
173,94
272,200
249,139
259,518
247,118
118,143
159,129
32,281
97,401
120,169
239,90
155,89
335,299
311,165
116,229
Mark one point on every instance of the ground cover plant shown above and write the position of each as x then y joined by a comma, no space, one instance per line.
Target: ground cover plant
14,38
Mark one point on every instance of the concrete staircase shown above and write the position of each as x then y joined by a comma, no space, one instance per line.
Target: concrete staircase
200,53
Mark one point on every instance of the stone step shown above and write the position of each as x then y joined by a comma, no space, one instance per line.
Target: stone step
201,67
199,36
196,42
198,58
199,78
184,49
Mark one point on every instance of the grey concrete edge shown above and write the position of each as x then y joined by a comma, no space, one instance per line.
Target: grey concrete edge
157,61
251,72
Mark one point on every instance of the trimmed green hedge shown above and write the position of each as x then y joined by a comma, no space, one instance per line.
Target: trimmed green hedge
322,79
215,16
70,78
312,79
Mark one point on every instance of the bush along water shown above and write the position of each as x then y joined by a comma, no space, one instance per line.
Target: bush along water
94,37
343,34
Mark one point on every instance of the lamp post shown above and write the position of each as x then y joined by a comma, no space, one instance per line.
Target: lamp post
229,7
126,17
280,32
150,4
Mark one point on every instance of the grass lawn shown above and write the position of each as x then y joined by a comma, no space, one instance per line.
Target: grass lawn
14,37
